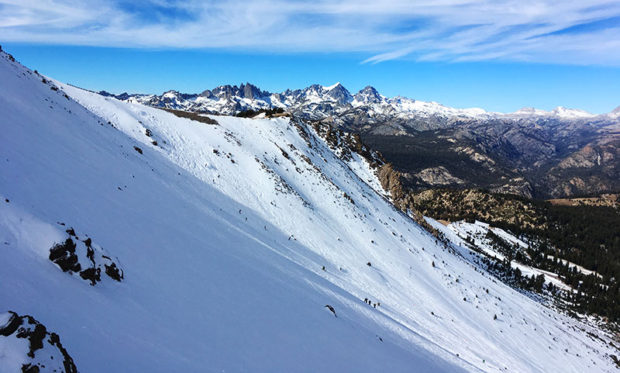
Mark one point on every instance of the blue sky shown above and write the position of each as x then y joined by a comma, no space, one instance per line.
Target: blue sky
499,55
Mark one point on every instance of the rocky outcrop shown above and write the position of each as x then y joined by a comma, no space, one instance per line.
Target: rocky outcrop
438,176
82,257
403,198
517,186
473,204
42,352
391,182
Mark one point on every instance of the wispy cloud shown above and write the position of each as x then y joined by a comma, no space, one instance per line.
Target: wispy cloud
554,31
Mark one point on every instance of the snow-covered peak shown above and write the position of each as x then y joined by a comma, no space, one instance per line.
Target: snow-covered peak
329,88
339,93
615,113
560,112
368,95
406,106
529,111
563,112
171,94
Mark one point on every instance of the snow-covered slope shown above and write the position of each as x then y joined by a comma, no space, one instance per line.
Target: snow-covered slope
232,239
475,235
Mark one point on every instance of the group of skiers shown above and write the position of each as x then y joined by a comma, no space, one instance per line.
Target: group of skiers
370,303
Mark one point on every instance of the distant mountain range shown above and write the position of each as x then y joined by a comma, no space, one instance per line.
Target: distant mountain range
319,102
531,152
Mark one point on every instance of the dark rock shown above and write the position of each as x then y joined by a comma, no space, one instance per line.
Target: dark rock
64,256
11,326
26,327
71,257
92,274
29,368
114,272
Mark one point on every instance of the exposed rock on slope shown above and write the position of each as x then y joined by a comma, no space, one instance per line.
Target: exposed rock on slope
438,176
85,258
27,345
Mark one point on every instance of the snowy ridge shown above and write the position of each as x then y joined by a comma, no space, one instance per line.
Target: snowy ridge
320,102
234,238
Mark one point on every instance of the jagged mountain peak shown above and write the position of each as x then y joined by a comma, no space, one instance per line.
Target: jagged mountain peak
339,93
337,85
243,90
369,90
172,93
251,91
367,95
311,88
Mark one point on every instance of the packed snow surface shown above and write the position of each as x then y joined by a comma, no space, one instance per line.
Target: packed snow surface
233,239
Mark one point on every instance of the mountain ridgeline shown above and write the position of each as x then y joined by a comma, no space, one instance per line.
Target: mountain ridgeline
532,153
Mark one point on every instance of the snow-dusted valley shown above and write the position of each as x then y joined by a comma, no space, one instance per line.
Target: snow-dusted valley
143,241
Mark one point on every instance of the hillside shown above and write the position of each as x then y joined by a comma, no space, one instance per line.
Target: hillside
240,245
